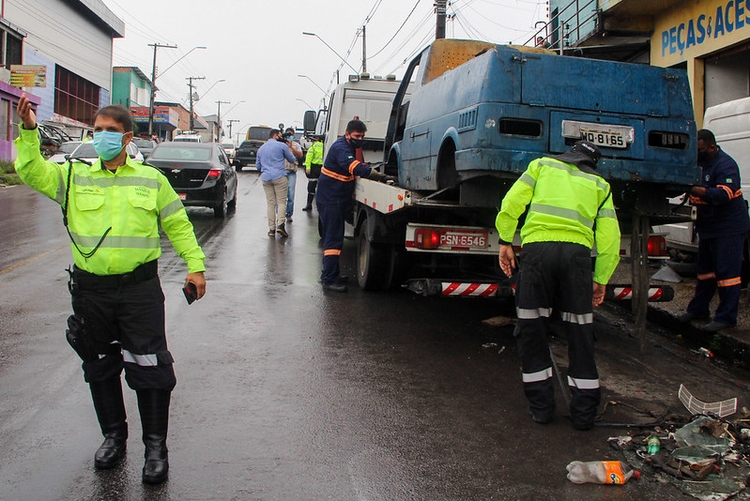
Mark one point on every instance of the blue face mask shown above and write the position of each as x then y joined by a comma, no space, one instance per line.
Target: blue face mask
108,144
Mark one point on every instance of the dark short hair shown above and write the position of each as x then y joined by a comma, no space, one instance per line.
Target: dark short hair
707,137
119,114
356,126
273,133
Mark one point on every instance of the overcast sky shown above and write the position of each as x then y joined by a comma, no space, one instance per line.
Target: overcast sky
258,48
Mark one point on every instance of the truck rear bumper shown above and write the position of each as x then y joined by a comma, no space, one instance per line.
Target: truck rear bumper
429,287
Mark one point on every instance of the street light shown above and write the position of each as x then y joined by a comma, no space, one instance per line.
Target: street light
153,81
316,85
233,107
212,86
324,42
305,102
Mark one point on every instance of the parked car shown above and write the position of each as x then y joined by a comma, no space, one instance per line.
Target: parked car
246,153
85,151
145,145
200,174
66,148
229,149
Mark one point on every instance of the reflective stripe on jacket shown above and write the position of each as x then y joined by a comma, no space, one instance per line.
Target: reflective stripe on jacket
565,204
133,201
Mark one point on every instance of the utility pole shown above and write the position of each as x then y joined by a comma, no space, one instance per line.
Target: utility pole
190,91
440,9
153,86
218,116
230,122
364,50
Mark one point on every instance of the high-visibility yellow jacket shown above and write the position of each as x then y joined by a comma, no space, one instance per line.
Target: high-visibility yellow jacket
132,201
566,204
314,155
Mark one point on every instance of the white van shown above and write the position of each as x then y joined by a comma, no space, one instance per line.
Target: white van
187,138
730,123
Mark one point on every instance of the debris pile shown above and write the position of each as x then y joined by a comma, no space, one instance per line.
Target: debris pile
708,457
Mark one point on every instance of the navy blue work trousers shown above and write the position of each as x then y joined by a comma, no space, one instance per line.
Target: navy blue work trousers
332,217
718,266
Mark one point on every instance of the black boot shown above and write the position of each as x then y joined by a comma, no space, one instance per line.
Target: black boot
110,410
153,406
310,197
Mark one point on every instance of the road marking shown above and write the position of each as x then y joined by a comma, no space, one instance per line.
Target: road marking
27,261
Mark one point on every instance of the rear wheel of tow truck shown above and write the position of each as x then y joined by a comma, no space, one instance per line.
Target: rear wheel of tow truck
373,262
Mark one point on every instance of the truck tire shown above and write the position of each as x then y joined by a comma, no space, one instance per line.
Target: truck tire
373,263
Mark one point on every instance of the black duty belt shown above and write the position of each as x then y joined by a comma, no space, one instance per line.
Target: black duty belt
86,280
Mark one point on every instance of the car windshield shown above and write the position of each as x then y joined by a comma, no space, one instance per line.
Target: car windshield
143,143
166,152
69,147
85,150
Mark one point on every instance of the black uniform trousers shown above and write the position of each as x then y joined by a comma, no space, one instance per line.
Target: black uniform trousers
556,276
125,324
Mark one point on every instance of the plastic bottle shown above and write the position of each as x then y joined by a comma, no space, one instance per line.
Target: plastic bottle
653,444
600,472
706,352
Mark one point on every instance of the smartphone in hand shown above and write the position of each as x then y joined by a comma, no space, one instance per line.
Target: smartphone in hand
191,294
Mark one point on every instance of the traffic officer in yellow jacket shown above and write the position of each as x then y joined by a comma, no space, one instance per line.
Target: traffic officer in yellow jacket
112,210
569,209
313,165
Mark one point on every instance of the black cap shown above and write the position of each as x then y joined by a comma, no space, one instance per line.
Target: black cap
587,148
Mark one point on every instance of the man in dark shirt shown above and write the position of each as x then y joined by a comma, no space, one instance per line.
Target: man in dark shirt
721,225
335,190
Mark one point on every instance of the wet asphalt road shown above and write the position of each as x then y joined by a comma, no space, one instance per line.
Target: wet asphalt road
289,393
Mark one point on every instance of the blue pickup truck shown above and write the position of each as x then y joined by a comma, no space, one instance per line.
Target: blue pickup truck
466,121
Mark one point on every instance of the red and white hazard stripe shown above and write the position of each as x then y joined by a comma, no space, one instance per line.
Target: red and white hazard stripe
468,289
624,293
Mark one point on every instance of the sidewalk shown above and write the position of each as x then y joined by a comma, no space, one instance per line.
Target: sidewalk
731,345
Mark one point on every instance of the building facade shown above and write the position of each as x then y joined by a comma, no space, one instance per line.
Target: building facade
710,39
73,40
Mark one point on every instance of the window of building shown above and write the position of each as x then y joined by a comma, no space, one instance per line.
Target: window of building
11,43
727,75
5,126
75,97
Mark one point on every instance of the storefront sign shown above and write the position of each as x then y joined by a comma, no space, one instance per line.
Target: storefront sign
702,27
24,75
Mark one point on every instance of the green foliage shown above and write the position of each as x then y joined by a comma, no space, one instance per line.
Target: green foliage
8,174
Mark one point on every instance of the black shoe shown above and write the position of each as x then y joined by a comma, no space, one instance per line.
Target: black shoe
689,317
271,233
306,208
281,230
715,326
289,218
109,453
541,417
337,287
156,467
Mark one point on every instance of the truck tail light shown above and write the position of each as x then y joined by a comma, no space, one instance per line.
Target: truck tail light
657,246
427,238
